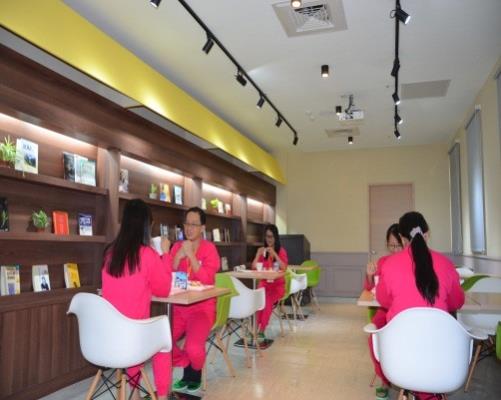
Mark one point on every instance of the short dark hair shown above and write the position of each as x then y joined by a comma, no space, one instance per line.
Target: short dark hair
393,231
199,211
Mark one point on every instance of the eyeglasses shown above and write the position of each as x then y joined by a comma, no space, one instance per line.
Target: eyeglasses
394,246
270,237
188,225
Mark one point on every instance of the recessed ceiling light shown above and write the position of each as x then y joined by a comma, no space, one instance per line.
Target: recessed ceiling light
295,3
325,71
155,3
350,139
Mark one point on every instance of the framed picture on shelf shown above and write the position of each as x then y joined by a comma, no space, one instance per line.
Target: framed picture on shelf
123,184
178,195
227,208
220,207
26,156
164,192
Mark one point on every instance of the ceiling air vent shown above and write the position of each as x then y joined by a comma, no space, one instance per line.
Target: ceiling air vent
342,132
313,17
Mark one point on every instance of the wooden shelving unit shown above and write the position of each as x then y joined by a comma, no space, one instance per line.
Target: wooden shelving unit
50,237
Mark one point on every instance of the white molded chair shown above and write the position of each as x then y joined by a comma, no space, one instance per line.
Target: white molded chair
464,272
242,308
486,322
423,349
109,339
299,282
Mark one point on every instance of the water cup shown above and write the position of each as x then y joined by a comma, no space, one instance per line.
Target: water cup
259,266
276,266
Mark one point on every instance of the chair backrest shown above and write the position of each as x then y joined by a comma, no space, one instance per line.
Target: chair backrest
247,302
288,279
223,302
298,282
498,341
472,281
313,277
424,349
309,263
110,339
486,284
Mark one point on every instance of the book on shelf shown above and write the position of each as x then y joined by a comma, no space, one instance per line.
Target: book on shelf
123,183
204,204
220,207
79,169
60,222
26,156
164,192
179,233
84,224
216,235
164,230
226,235
178,195
10,281
224,264
71,276
4,215
40,278
227,208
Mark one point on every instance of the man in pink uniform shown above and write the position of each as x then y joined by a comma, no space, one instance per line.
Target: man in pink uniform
418,276
200,260
132,273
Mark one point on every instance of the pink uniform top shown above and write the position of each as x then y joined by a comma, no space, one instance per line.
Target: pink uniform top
207,256
370,285
268,262
131,294
397,290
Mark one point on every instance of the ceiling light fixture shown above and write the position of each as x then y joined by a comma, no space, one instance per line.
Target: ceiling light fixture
260,102
397,134
279,121
294,142
295,3
398,120
339,110
350,139
325,71
240,78
396,67
401,15
208,45
155,3
396,99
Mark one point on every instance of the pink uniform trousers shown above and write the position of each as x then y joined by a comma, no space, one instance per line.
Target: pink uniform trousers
162,371
194,323
274,291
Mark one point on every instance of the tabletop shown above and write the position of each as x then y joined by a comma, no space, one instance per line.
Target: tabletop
253,274
192,296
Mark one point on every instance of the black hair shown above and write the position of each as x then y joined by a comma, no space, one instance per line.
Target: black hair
274,230
199,211
134,233
393,231
425,276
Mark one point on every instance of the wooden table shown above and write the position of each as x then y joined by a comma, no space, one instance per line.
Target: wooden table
487,302
367,299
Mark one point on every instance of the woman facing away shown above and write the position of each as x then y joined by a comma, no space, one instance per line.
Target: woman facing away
132,273
418,276
272,256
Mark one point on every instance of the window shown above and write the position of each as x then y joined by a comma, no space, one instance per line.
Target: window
455,181
476,184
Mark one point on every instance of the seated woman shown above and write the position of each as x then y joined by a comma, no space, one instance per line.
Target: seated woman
132,273
200,260
273,256
394,245
418,276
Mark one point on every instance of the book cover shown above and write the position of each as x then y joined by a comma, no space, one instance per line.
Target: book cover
4,215
224,264
40,277
164,230
79,160
178,195
204,204
10,282
164,192
216,235
26,156
60,222
88,172
181,280
84,224
227,208
179,233
123,184
220,207
69,166
71,276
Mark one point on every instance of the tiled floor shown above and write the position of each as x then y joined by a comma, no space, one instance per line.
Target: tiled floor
326,358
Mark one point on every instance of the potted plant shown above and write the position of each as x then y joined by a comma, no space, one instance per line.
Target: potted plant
4,221
153,191
214,203
40,220
7,153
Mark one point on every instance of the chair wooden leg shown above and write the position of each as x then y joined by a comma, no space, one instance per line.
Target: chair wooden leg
225,354
148,384
254,336
299,310
472,366
314,297
373,380
204,377
123,388
118,377
284,311
246,347
279,316
93,385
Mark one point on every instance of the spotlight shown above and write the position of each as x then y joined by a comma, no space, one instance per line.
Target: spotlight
396,67
240,78
397,133
402,16
398,120
155,3
350,139
260,102
294,142
339,110
279,121
396,99
208,45
295,3
325,71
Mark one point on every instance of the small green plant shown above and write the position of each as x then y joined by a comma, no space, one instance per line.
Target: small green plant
8,151
153,188
4,219
214,203
40,219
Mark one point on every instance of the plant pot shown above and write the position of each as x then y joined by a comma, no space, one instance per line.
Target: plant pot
5,164
153,196
40,230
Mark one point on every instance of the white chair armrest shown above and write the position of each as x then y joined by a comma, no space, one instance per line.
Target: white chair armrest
150,320
370,328
478,334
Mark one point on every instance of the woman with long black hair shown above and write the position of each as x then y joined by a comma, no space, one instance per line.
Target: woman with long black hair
132,273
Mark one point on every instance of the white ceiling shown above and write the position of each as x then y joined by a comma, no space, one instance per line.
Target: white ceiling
457,40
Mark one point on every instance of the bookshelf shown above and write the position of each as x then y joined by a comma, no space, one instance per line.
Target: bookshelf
39,342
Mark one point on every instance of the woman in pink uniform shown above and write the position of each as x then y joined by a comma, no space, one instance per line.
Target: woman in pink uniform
418,276
132,273
394,245
200,260
273,256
